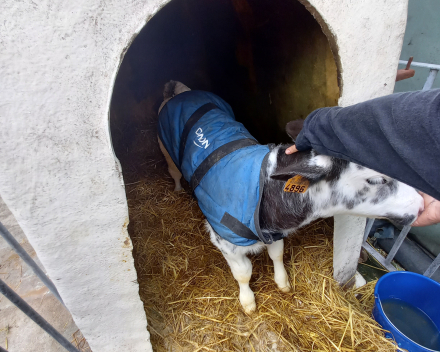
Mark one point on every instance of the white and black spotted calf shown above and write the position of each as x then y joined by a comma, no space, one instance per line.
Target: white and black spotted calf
336,187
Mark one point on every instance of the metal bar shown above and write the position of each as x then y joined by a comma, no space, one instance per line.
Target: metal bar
376,255
29,261
397,244
433,267
430,80
421,64
368,227
37,318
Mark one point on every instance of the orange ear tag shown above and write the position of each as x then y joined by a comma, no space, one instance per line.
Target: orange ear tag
297,184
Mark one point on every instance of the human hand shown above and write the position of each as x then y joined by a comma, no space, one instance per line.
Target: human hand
404,74
431,214
293,128
291,150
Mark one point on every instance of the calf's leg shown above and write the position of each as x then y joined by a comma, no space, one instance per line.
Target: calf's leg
241,268
172,168
276,250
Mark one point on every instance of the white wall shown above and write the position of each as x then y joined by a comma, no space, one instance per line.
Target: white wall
59,175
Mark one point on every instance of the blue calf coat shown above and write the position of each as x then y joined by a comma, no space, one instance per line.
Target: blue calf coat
234,184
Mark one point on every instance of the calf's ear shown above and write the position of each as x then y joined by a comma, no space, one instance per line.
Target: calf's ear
293,128
313,174
313,169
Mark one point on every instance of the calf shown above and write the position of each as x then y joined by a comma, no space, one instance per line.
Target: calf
253,196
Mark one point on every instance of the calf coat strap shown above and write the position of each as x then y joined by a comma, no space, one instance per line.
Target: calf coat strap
216,156
237,227
228,220
242,230
190,124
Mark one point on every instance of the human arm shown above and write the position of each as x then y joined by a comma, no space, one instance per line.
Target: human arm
397,135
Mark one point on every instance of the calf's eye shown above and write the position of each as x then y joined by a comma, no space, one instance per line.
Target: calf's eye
376,181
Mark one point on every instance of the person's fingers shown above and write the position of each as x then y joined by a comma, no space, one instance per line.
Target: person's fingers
431,214
291,150
404,74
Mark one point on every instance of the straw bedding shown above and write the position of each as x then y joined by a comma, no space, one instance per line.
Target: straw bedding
191,297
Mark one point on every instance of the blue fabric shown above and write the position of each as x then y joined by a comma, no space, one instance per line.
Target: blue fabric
233,184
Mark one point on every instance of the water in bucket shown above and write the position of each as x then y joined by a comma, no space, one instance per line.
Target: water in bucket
412,322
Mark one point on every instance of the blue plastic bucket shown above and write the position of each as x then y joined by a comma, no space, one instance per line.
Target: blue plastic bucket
408,306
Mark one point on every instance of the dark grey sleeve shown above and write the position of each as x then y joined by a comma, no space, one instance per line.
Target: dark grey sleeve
397,135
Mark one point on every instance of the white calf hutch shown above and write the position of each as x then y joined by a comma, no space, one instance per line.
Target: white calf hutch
74,75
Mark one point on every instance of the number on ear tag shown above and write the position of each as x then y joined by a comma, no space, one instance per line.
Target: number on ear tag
297,184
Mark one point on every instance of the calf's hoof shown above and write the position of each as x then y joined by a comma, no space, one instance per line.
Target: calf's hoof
359,280
284,285
250,308
285,289
355,282
247,300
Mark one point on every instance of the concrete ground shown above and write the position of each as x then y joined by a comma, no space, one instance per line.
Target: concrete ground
17,332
